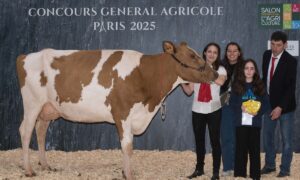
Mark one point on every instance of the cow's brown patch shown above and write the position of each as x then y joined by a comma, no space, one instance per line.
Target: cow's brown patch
107,74
43,79
148,83
75,71
21,70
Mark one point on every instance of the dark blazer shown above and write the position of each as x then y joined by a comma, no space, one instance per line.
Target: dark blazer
283,84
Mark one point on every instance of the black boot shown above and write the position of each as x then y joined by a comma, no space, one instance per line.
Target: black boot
215,176
196,173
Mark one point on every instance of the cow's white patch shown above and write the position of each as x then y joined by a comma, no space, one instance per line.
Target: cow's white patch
127,134
90,108
140,117
129,61
177,82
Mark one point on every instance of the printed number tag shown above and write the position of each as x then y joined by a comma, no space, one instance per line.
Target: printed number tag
247,119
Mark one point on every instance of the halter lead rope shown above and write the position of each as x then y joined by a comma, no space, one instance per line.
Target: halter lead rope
201,68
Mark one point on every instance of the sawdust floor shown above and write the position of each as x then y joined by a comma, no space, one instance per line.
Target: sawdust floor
107,164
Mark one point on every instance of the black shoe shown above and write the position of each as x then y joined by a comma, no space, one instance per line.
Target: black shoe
267,170
196,173
282,174
215,177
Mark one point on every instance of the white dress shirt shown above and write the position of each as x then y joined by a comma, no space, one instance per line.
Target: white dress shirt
212,105
270,65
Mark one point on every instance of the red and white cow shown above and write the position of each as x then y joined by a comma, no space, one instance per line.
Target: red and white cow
124,87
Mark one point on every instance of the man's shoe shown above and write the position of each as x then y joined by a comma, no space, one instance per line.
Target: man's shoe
267,170
196,173
227,173
282,174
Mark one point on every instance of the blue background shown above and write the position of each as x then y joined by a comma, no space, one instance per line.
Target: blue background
23,34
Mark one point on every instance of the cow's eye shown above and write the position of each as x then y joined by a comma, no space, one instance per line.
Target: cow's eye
193,56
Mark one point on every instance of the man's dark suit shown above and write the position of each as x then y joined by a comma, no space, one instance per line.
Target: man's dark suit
283,84
282,94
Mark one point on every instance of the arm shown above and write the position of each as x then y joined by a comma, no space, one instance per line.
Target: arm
222,76
220,80
264,104
188,88
235,101
290,85
289,94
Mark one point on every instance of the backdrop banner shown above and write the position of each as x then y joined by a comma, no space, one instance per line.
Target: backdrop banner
141,25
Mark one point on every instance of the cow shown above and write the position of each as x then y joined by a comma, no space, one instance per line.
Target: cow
123,87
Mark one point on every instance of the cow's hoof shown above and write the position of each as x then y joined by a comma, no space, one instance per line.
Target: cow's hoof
31,174
52,169
127,178
123,173
48,168
21,167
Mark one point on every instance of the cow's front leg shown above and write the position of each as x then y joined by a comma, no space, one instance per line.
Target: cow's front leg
127,152
126,144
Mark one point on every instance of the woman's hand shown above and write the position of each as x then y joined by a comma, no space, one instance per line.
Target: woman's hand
188,88
220,80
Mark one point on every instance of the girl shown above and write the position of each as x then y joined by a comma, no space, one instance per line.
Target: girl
207,111
247,86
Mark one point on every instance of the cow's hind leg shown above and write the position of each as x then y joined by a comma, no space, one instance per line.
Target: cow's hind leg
41,130
25,130
47,114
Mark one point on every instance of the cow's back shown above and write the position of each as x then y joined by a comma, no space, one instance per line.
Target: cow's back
75,82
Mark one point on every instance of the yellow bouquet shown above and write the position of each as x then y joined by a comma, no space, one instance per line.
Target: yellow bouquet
252,106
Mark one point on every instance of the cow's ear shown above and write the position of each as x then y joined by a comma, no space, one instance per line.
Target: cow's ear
169,47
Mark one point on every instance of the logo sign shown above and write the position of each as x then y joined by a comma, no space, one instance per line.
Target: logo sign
280,16
292,47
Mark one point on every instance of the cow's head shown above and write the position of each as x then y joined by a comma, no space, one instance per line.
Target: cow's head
190,65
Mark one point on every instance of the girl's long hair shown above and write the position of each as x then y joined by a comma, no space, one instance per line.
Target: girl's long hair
240,80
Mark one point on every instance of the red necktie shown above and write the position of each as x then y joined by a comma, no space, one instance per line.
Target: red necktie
272,68
204,94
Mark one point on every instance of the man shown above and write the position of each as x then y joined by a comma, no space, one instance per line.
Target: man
279,75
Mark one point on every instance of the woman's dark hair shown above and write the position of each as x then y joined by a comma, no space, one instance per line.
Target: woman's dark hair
240,58
217,63
240,80
231,69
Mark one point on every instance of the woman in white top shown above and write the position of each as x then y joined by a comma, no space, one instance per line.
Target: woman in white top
207,111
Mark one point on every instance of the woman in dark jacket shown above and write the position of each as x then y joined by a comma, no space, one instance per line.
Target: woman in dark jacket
232,61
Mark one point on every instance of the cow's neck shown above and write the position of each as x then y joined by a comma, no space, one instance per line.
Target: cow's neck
159,78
